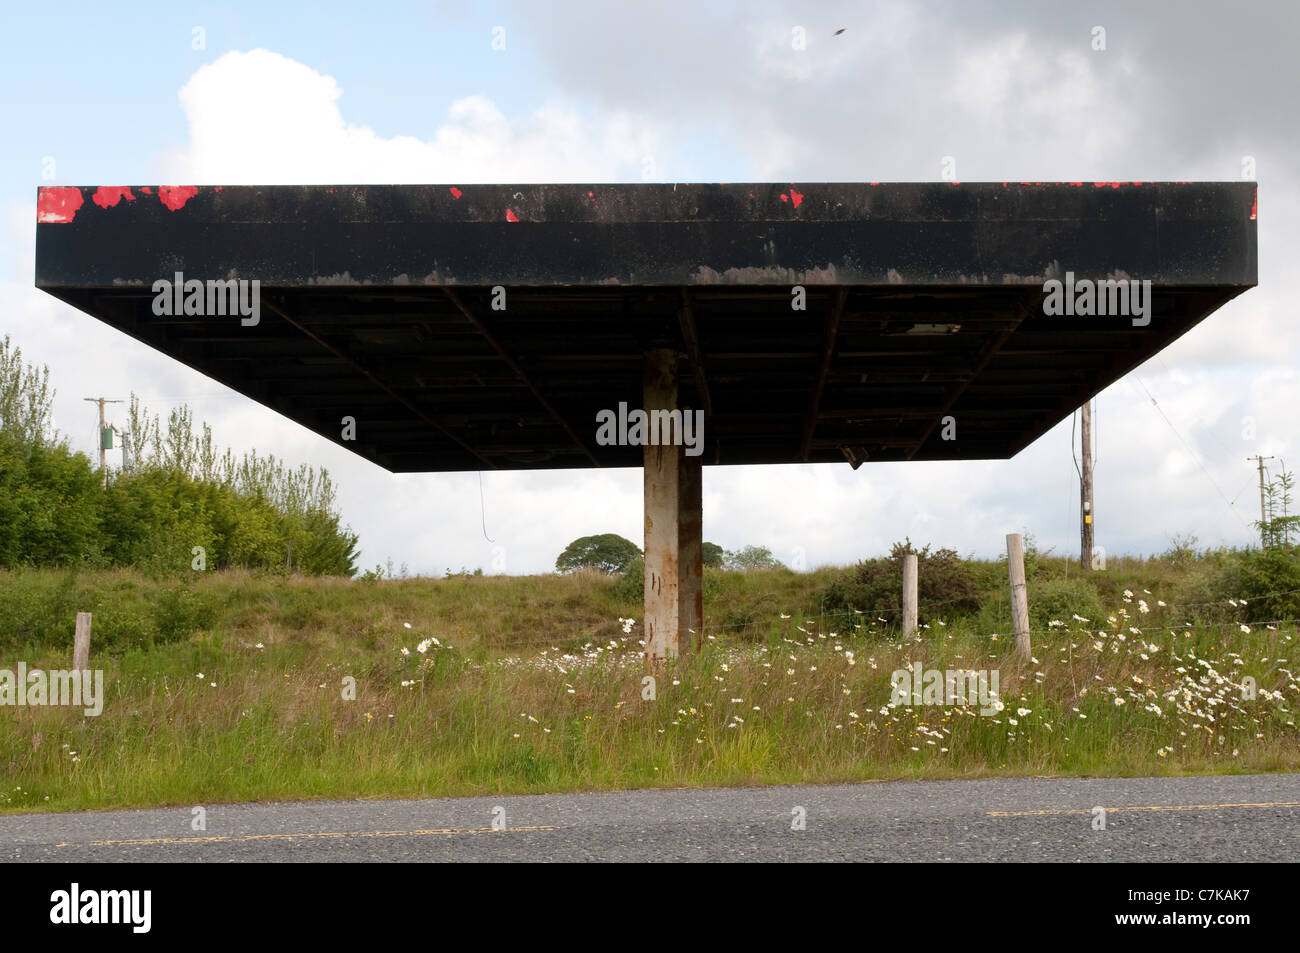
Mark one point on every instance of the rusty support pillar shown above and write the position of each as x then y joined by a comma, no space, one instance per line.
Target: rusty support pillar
673,538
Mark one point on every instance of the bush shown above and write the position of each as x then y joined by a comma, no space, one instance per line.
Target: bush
1058,599
946,585
630,584
1269,581
179,611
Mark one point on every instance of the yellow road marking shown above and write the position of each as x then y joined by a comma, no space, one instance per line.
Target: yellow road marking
307,836
1156,807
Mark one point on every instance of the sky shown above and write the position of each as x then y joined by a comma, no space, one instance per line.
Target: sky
585,91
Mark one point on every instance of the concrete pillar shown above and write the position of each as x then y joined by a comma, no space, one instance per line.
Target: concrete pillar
674,558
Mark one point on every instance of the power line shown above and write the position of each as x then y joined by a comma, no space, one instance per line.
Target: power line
1189,449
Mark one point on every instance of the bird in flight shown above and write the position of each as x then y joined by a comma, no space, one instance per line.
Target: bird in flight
839,31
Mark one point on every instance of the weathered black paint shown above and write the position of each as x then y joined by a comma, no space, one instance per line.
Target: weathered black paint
597,274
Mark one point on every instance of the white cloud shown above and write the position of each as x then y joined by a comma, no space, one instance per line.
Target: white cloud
262,118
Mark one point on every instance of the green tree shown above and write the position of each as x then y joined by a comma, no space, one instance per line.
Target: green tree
1278,526
26,398
177,492
607,552
714,555
750,557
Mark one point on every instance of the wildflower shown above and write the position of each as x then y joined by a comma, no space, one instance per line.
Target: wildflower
406,651
407,624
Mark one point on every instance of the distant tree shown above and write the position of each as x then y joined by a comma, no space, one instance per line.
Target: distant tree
26,399
751,557
176,493
607,552
1279,524
714,555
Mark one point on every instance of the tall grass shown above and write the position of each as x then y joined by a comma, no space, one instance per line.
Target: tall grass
230,687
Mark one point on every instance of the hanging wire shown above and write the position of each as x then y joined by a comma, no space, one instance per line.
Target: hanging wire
1189,449
482,509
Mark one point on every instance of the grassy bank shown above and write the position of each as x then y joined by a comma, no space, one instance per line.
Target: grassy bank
229,687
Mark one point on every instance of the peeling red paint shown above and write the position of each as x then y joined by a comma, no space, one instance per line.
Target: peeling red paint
1113,185
145,190
1254,206
1076,184
796,197
510,216
455,192
784,197
220,187
58,203
175,196
107,196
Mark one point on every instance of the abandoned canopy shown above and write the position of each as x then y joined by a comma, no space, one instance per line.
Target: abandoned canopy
921,301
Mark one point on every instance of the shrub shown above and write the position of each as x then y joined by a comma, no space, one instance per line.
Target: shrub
1269,581
630,584
946,585
1058,599
179,611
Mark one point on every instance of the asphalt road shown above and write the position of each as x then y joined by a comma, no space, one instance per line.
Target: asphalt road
1240,818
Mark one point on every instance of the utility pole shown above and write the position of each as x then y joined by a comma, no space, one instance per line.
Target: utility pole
1263,516
103,450
126,447
1086,528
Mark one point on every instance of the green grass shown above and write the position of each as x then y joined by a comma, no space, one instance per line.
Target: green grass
537,687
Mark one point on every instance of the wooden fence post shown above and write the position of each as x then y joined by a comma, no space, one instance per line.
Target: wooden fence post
81,645
909,595
1019,597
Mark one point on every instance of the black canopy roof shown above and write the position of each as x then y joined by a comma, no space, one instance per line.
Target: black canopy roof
920,301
